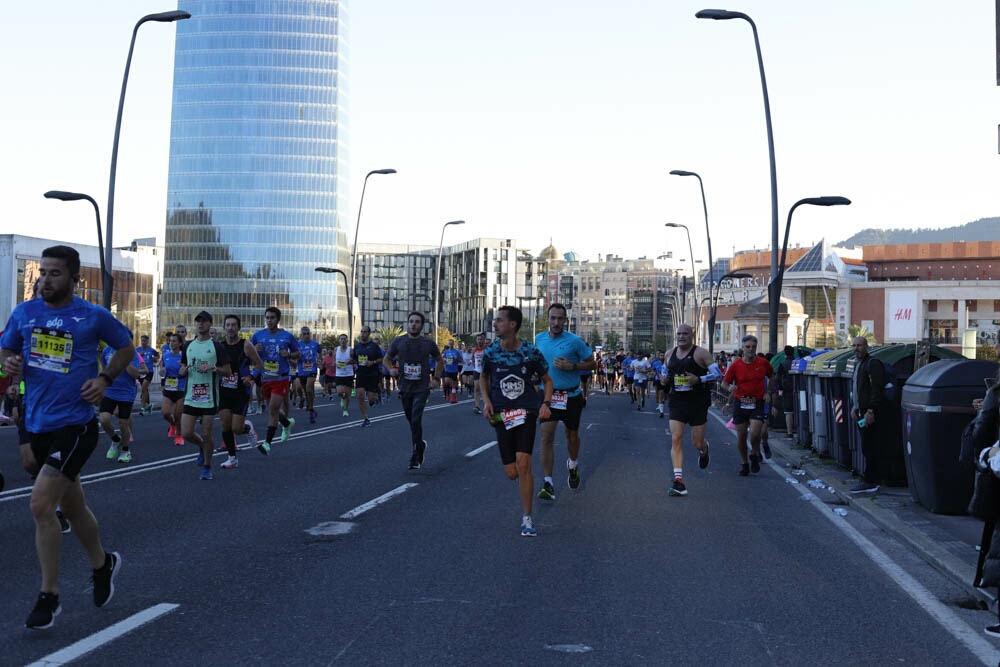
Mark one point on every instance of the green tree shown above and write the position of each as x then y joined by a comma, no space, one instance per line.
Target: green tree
612,341
856,330
388,333
594,339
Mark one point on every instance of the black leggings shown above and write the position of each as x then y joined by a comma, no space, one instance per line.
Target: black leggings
413,408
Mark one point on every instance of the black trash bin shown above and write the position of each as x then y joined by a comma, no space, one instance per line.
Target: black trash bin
838,409
777,414
937,404
800,383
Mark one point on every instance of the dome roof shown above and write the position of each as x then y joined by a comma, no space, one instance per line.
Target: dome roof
549,253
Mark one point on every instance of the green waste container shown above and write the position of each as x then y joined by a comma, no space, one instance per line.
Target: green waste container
835,394
891,460
937,405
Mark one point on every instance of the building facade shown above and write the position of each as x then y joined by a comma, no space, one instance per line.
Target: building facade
256,194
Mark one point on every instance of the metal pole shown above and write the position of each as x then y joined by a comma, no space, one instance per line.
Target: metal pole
352,292
437,274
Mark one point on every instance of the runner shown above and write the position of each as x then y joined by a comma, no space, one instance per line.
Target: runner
452,359
567,355
512,403
747,378
149,357
235,390
52,343
629,373
119,398
641,370
689,370
413,352
201,360
659,371
307,367
345,374
329,374
276,348
477,369
368,360
172,386
468,369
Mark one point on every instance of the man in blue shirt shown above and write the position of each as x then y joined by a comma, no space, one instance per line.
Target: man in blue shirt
277,348
307,368
52,343
149,356
118,398
452,358
567,355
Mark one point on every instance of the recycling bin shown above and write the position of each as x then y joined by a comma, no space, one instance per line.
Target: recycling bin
937,405
777,414
817,403
891,459
803,425
835,393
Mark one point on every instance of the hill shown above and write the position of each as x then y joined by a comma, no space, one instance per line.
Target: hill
985,229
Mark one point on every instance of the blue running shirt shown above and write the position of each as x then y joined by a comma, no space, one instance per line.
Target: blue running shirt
566,345
276,367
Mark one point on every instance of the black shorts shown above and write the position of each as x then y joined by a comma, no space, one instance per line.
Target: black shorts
368,382
234,400
787,401
628,380
124,408
518,439
66,449
305,378
144,378
200,412
22,433
743,416
344,381
571,415
691,410
174,395
476,375
468,375
328,380
450,376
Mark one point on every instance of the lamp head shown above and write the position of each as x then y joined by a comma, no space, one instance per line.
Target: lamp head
829,201
455,222
681,172
384,171
62,195
168,17
325,269
674,224
719,14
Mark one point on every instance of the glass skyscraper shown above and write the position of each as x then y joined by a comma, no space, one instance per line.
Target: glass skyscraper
257,182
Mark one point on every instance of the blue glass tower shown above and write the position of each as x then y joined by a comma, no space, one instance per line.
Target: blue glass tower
256,194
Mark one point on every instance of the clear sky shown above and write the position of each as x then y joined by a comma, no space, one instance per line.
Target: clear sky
554,119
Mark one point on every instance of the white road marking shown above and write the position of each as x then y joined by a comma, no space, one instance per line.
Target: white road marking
480,450
331,528
361,509
945,617
108,635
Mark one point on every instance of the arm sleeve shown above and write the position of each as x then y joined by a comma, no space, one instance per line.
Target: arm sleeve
714,373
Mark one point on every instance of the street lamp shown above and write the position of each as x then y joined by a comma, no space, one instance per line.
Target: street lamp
708,237
774,288
694,271
162,17
354,250
724,15
714,304
532,299
106,278
347,293
437,274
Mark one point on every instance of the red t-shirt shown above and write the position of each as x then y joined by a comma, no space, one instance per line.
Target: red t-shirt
750,379
329,366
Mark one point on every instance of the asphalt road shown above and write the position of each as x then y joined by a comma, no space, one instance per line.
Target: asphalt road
741,571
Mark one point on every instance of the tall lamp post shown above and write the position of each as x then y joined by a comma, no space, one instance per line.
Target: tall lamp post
714,303
725,15
694,272
354,250
774,288
437,273
106,278
162,17
708,237
347,293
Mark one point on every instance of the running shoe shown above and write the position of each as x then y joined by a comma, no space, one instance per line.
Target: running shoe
703,458
573,479
744,470
125,456
421,448
766,446
231,462
991,630
865,487
264,448
44,613
527,527
63,523
206,473
221,448
366,422
114,450
548,492
477,410
345,414
287,430
755,463
251,433
104,578
312,416
172,431
414,460
678,489
178,441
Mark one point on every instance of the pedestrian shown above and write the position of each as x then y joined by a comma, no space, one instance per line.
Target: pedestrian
747,379
278,349
786,391
202,360
512,403
53,342
867,411
983,447
413,353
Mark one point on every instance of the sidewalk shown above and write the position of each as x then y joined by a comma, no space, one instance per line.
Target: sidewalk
947,543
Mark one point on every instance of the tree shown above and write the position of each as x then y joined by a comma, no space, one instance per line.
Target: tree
441,336
330,341
612,341
856,330
594,340
388,333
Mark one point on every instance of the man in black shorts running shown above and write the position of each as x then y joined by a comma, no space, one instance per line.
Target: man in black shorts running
414,352
367,360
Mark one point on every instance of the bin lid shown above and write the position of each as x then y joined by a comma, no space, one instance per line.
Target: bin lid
954,373
816,363
836,364
901,355
780,356
800,365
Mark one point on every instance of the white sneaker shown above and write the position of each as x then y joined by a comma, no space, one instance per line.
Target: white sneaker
346,413
251,434
231,462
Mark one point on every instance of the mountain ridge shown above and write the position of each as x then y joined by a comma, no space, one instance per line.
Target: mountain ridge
984,229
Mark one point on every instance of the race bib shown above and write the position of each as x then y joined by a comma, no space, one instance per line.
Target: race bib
231,381
170,384
341,365
513,418
681,383
411,371
748,402
200,393
559,399
362,358
270,368
51,350
307,365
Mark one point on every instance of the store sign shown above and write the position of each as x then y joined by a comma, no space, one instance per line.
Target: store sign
901,315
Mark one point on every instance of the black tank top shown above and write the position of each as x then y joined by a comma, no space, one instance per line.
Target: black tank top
680,367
